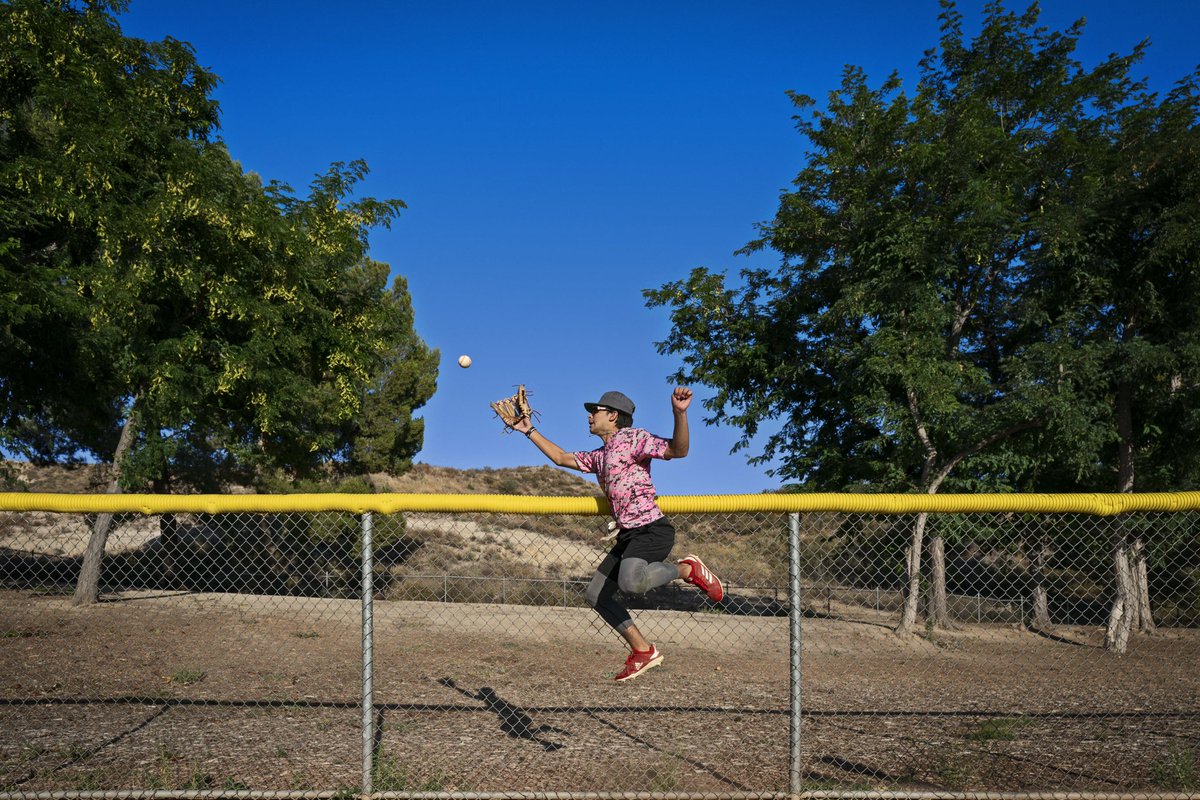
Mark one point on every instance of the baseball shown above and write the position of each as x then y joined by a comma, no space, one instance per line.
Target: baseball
464,361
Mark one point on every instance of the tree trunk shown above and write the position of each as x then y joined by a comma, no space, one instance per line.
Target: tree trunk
1141,586
932,476
1125,612
1120,618
1040,619
939,611
172,558
277,563
87,587
912,586
1132,609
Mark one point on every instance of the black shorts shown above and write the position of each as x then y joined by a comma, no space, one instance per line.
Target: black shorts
651,543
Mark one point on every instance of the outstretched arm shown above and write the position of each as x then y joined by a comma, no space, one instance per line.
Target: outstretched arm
552,451
681,398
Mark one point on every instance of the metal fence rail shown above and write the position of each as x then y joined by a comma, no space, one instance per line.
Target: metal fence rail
450,651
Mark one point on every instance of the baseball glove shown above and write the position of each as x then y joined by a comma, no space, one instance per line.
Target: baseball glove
512,410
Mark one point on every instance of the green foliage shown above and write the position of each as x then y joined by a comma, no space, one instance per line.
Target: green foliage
1117,284
238,326
198,779
954,270
390,776
88,123
1176,771
663,777
384,435
187,677
869,551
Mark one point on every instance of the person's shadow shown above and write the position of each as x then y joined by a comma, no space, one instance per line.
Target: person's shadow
513,720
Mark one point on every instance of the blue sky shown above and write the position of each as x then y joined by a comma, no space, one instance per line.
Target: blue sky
558,158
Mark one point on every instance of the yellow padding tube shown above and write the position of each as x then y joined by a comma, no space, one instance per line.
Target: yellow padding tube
1096,503
279,503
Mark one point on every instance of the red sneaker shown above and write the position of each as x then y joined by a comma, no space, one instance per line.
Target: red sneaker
703,577
637,663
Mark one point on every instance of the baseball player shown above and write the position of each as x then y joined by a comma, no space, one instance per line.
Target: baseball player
637,562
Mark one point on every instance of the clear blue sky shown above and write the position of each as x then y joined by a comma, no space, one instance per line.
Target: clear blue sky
558,158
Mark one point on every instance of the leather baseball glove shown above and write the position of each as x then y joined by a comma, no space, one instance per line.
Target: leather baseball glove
513,409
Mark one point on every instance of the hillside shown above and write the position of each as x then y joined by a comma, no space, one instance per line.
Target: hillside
422,479
541,480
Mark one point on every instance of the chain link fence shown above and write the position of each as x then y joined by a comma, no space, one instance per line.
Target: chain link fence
440,653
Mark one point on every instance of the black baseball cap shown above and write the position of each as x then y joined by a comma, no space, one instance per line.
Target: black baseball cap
613,400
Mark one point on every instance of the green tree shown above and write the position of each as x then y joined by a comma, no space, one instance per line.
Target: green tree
211,328
1118,276
894,345
385,435
79,144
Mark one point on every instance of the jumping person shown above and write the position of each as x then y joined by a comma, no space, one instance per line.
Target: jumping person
637,562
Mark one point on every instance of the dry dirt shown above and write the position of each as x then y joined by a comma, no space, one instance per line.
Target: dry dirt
552,553
183,690
180,690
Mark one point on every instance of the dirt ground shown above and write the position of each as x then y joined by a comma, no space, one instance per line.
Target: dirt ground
194,691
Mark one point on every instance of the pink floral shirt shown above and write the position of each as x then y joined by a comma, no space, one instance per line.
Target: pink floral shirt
622,468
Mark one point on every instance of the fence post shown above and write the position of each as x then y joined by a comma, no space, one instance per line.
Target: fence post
368,690
794,632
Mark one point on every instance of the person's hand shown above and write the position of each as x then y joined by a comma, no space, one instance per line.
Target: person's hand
681,398
523,425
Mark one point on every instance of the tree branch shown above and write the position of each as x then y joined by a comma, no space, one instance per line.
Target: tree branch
931,453
1011,430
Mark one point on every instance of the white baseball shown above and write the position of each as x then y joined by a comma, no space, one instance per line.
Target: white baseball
464,361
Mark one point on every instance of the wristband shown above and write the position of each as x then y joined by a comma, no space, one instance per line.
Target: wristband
529,432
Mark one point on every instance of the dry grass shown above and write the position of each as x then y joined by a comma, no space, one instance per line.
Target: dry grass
544,481
81,479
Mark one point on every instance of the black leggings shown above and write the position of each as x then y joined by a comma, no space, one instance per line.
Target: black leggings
635,565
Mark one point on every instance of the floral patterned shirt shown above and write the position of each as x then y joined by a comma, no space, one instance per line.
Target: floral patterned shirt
622,468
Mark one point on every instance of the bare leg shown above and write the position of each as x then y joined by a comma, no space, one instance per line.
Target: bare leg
636,641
